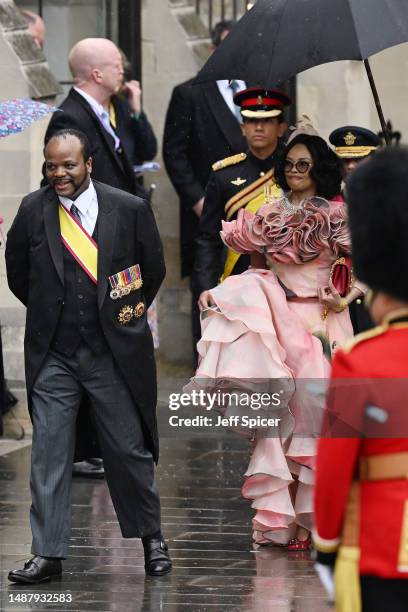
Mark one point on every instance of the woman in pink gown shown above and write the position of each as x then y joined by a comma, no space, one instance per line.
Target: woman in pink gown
275,327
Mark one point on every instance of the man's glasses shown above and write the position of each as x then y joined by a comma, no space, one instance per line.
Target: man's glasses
301,166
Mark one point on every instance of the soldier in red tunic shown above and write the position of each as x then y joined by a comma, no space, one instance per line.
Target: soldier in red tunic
361,494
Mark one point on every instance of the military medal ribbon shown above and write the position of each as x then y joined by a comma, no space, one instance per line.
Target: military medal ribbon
79,243
125,281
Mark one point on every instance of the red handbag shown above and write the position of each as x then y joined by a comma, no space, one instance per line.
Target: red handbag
341,275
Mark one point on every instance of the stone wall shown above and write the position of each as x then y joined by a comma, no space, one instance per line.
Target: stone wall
339,93
23,73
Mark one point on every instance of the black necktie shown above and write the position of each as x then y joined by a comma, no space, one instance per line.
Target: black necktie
75,213
234,86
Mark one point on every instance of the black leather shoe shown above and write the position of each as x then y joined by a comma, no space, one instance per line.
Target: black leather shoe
157,558
92,468
38,569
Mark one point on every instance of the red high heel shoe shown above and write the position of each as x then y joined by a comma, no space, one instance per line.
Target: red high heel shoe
299,545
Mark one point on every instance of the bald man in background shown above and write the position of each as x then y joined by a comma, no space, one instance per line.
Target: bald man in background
97,70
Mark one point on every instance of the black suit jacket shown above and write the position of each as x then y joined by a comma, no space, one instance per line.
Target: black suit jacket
108,165
136,135
200,129
127,235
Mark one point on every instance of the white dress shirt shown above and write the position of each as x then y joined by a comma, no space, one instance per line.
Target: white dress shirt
87,204
226,92
101,113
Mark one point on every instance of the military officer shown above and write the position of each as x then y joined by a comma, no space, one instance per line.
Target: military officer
361,495
353,145
239,181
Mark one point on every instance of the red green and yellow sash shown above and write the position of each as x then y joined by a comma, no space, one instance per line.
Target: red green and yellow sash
79,243
251,198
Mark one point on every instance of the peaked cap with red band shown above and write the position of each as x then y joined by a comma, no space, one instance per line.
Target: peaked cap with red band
257,102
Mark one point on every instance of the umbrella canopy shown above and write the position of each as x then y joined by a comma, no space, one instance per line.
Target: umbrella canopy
17,114
277,39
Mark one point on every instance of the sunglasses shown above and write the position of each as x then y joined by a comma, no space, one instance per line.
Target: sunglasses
301,166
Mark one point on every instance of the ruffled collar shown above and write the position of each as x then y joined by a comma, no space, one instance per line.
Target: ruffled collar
284,204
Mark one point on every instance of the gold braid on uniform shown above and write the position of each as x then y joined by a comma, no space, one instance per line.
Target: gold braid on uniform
229,161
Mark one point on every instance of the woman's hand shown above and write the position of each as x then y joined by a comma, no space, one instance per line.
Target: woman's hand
205,300
331,298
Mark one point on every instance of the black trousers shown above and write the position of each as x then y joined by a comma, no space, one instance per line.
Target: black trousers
384,595
129,466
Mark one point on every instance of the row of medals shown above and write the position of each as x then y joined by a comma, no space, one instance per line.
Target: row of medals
128,313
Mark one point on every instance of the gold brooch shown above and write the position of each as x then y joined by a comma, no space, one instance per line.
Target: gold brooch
125,315
350,139
139,310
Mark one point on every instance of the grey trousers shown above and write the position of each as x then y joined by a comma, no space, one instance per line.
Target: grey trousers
129,466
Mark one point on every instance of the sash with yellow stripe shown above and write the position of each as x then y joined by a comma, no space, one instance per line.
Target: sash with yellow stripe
251,198
79,243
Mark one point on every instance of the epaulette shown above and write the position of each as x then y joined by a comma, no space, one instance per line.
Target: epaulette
229,161
366,335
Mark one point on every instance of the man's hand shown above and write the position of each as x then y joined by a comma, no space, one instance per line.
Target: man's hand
205,300
198,208
134,95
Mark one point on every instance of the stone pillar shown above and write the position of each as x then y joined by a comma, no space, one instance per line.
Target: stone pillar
24,73
167,61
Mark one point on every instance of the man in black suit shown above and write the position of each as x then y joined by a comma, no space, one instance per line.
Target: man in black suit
97,69
86,260
202,126
354,144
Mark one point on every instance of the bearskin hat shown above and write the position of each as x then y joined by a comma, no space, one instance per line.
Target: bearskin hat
377,197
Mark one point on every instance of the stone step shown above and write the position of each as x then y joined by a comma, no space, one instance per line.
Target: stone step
202,49
191,23
219,12
181,3
17,420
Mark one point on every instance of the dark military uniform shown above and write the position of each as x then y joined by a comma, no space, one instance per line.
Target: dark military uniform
355,143
236,182
240,173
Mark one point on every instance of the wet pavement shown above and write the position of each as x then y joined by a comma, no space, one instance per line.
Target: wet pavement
207,526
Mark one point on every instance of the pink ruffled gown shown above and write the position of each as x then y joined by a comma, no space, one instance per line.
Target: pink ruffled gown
268,326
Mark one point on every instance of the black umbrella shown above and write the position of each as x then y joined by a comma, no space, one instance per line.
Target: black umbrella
277,39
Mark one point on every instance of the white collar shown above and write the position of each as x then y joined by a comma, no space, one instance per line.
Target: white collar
225,84
83,201
94,104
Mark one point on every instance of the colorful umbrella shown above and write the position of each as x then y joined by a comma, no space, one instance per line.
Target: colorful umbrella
17,114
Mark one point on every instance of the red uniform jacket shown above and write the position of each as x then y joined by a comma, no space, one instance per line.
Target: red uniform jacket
367,415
